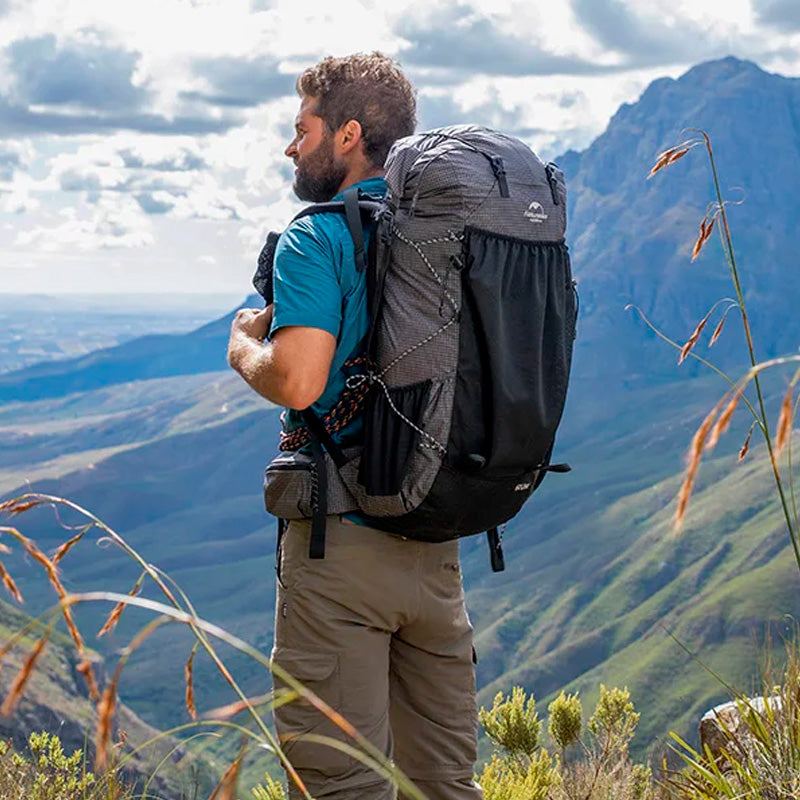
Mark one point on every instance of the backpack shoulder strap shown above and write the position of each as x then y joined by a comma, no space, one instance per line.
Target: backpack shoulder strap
356,207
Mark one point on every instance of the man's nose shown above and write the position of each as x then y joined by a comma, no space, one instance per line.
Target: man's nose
291,150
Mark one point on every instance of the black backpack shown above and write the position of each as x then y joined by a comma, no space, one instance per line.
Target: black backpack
473,312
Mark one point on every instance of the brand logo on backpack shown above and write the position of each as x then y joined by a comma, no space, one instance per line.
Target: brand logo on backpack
522,487
535,212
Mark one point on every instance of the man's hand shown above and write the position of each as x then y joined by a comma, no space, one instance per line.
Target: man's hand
252,322
249,324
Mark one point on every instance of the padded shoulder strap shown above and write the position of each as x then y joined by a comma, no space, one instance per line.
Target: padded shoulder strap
357,208
353,214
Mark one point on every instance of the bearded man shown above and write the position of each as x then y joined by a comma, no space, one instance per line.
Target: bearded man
378,628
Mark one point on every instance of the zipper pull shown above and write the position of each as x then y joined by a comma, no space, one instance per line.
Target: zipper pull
499,170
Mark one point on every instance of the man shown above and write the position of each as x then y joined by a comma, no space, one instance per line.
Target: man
378,628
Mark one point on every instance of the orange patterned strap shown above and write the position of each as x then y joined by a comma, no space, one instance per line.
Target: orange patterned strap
339,417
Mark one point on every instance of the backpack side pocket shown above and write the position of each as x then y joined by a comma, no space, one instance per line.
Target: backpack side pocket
391,433
517,332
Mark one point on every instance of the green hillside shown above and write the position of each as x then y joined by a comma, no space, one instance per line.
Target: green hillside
593,567
56,701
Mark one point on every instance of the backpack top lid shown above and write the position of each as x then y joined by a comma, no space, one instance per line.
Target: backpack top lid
472,175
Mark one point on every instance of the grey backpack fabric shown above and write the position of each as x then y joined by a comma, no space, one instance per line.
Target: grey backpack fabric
473,312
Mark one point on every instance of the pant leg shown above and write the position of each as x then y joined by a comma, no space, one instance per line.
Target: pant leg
334,619
433,705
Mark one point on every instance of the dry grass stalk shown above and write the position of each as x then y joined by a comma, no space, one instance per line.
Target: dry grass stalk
670,156
717,331
17,505
192,709
15,692
116,613
226,788
706,226
784,422
692,340
72,628
8,582
49,567
6,648
105,710
695,454
52,575
724,421
85,669
746,446
232,709
68,545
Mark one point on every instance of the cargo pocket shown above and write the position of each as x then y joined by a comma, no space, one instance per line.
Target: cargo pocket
319,673
391,433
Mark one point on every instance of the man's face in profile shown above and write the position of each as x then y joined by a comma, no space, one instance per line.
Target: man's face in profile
318,172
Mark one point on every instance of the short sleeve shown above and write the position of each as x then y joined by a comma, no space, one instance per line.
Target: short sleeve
305,283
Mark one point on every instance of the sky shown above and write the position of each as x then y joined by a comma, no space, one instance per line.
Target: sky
141,141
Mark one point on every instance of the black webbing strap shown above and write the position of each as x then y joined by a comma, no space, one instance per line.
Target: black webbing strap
316,546
495,550
353,213
321,441
376,278
320,433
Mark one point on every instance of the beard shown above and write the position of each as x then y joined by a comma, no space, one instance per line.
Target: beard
319,175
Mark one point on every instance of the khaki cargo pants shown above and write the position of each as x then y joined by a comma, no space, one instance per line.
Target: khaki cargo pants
379,630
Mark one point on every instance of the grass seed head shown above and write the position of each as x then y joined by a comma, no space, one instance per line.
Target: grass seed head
226,788
18,686
717,332
746,446
784,422
68,545
8,582
692,340
706,226
670,156
724,421
189,670
105,709
18,505
85,669
116,612
695,454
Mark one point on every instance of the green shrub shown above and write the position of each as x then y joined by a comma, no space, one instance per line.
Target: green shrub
47,773
565,720
270,790
602,770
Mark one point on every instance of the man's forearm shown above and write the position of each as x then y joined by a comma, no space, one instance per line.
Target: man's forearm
255,361
290,370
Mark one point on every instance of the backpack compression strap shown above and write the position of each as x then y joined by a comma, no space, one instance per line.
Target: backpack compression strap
320,438
495,550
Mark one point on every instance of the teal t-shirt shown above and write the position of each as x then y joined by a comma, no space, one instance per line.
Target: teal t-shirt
316,285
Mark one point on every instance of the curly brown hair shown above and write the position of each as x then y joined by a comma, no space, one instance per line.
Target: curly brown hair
369,88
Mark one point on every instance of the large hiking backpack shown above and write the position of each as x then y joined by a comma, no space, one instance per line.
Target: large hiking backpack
473,311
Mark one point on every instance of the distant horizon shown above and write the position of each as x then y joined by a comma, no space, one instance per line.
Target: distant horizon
206,304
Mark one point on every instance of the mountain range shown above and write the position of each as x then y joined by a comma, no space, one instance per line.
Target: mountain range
157,439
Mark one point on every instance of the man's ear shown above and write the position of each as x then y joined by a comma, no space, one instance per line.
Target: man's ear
349,136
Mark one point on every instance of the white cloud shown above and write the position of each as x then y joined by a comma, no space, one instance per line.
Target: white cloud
208,105
114,222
